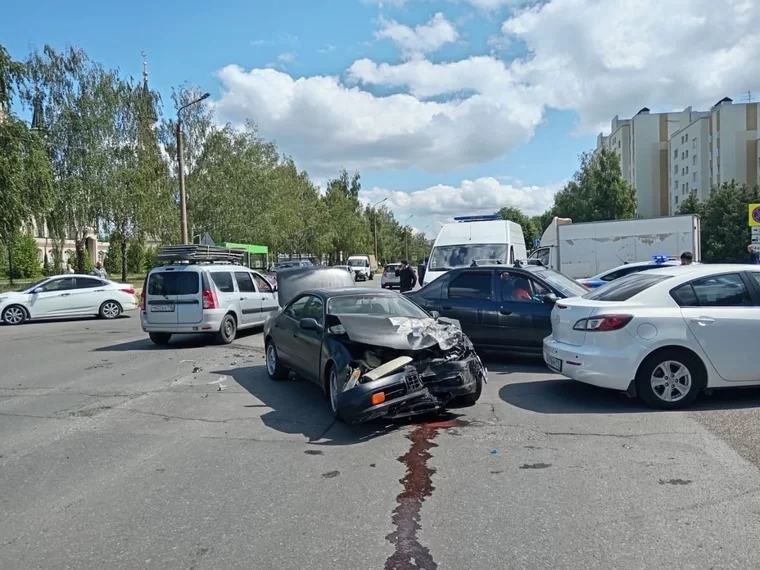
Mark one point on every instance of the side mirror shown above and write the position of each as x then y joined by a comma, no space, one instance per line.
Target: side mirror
435,314
309,324
38,290
274,288
550,299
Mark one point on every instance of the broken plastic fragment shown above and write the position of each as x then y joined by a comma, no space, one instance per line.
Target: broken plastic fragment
388,368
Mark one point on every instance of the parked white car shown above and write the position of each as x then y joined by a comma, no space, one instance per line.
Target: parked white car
663,335
67,296
219,299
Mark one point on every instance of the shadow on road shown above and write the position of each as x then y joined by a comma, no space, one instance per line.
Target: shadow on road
180,341
505,363
300,407
562,396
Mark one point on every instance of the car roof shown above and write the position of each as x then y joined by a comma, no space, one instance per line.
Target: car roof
201,267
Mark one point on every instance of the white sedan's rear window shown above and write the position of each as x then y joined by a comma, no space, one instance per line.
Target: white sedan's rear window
626,287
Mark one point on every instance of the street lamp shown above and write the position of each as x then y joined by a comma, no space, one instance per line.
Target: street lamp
375,217
406,237
181,166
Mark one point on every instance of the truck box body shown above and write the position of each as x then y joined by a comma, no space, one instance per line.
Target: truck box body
586,249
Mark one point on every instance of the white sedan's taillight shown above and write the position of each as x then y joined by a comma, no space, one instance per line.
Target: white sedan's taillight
603,323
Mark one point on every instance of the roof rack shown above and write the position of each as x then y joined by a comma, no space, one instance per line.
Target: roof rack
196,253
483,218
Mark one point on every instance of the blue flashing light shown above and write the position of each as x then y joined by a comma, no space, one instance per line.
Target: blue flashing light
486,218
662,258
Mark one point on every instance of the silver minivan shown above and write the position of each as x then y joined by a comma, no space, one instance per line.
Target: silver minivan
216,299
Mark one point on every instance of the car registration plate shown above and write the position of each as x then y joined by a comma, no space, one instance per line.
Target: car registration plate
162,308
553,363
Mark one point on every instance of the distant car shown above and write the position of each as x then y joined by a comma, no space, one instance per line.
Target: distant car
663,335
67,296
389,279
500,307
374,353
626,269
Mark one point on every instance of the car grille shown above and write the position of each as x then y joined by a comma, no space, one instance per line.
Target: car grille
413,381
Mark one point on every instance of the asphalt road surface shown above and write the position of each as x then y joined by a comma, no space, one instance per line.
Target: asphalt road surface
115,454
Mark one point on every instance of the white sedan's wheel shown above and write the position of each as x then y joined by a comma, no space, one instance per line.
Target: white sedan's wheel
110,310
14,315
671,379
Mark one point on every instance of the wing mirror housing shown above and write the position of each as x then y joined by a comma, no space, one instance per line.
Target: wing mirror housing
435,314
309,324
38,290
550,299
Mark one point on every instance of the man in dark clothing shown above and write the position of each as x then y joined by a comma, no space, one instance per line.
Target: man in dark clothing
421,270
754,257
687,258
407,278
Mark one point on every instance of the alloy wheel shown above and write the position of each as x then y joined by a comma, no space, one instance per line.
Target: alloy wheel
671,381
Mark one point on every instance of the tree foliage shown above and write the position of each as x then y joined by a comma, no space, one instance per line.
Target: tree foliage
724,229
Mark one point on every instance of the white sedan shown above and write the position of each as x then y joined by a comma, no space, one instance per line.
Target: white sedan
67,296
663,335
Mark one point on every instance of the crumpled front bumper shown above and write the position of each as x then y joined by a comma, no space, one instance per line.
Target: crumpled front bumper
412,390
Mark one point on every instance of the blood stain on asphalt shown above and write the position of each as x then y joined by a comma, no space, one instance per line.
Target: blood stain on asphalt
418,486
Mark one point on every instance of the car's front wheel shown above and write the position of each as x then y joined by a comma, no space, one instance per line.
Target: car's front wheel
275,369
670,379
14,315
333,389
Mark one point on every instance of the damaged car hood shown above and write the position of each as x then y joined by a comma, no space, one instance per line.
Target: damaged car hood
402,333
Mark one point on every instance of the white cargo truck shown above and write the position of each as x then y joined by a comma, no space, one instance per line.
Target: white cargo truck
586,249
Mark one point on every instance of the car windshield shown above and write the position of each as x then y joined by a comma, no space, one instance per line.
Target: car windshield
369,304
561,283
287,264
392,267
31,287
626,287
357,262
447,257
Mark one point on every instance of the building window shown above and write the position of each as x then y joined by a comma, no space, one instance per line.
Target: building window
687,170
675,185
675,153
694,177
687,153
694,159
687,137
675,169
693,143
676,200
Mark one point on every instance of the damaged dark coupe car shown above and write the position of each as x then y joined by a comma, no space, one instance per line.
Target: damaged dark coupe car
373,352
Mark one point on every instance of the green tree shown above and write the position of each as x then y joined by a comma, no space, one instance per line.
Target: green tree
113,261
597,191
691,205
135,258
531,231
26,261
82,126
25,174
725,233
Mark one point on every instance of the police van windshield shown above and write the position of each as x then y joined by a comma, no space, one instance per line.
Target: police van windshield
446,257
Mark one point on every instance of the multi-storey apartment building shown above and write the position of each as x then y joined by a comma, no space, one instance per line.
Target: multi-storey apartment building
641,143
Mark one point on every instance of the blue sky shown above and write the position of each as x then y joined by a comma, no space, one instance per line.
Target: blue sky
517,144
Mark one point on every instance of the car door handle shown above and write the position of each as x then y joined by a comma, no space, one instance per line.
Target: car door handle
64,294
704,321
99,290
447,307
263,298
242,298
505,312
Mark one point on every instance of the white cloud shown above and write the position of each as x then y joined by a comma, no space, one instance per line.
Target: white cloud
598,58
286,57
422,39
441,203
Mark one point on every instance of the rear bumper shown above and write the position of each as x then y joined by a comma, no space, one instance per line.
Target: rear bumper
210,323
588,364
408,393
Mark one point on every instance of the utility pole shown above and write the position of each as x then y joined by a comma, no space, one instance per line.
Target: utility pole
181,167
374,211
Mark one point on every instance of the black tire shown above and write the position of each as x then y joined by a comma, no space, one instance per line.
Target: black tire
227,330
160,339
275,369
655,366
110,310
332,377
14,315
468,400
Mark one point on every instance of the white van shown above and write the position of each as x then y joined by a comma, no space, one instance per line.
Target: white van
478,239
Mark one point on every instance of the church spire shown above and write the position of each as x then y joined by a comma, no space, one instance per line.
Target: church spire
147,95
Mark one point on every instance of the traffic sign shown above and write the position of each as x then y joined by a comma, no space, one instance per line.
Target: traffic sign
754,215
755,235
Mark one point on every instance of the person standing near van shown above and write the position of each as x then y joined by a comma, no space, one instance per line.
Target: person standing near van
754,257
407,278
